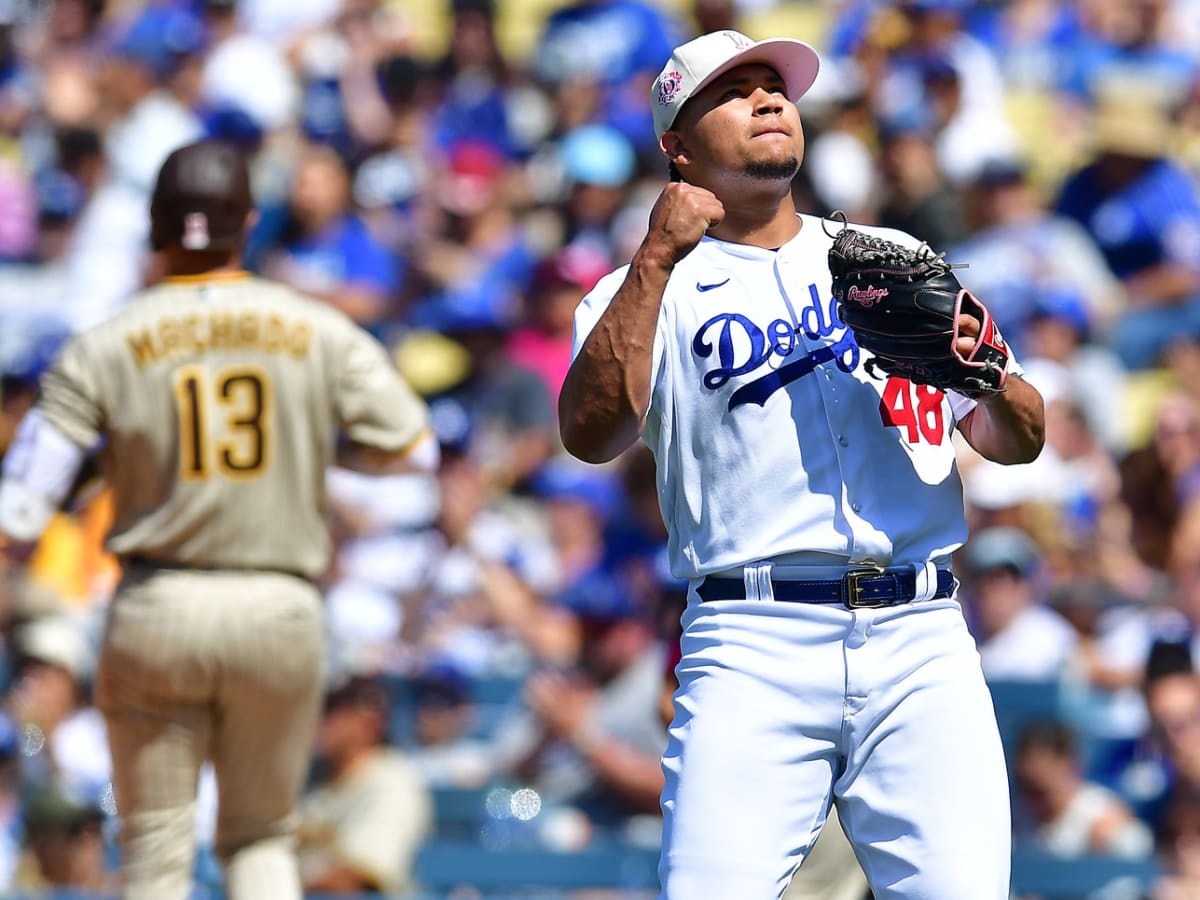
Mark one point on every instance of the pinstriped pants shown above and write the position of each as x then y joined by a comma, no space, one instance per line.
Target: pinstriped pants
224,666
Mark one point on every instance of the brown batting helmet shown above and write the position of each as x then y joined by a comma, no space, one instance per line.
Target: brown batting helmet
201,198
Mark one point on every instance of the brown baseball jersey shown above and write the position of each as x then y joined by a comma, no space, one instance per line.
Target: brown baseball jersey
216,403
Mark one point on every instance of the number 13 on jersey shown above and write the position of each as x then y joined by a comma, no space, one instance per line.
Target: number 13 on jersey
223,419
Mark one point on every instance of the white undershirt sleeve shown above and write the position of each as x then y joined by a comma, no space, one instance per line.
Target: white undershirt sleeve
39,469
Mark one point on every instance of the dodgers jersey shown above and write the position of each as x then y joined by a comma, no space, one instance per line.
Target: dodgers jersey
219,401
771,437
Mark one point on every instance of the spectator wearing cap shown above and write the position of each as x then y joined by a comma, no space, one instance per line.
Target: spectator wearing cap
1060,335
444,749
318,244
367,812
597,56
144,114
1028,259
49,700
598,164
472,253
1143,210
1019,636
148,97
64,844
542,343
967,138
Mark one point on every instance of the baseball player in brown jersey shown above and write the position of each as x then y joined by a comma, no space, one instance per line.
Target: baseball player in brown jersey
215,402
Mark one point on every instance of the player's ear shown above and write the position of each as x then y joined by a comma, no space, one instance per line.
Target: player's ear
674,148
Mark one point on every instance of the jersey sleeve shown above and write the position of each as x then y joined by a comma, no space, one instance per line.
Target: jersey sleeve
592,307
375,406
69,397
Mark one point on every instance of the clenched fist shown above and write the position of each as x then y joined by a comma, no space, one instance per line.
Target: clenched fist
681,216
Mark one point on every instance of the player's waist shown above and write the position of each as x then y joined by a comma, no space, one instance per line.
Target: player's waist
139,561
851,586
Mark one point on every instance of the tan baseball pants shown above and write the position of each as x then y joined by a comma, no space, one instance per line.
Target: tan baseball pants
213,665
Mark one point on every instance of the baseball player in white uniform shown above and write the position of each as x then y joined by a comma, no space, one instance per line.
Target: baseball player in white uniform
814,509
214,401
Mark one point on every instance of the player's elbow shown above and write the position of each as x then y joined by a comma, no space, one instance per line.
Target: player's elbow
586,446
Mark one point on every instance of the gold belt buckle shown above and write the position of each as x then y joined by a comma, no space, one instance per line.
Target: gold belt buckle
854,589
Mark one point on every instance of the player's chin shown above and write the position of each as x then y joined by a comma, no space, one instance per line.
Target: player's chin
773,167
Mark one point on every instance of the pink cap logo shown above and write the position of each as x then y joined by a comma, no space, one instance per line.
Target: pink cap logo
669,84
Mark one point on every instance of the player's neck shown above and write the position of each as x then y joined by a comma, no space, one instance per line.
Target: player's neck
758,221
191,263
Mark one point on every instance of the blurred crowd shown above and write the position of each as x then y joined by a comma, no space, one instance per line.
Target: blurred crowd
455,175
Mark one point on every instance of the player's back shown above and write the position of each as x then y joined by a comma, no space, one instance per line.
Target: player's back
219,401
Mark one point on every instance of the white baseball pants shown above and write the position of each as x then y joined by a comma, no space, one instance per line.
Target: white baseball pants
784,708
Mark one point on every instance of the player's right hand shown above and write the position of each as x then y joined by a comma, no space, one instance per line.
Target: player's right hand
680,217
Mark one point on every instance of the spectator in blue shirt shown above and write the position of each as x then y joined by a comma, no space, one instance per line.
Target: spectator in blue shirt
1143,211
319,245
601,54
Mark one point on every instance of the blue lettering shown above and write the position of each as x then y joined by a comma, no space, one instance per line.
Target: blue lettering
779,340
817,319
730,325
783,337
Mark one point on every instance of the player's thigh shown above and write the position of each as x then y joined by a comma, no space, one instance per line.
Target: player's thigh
153,687
925,796
269,698
750,759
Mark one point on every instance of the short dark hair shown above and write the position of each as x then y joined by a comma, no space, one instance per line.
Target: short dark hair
1166,658
1048,734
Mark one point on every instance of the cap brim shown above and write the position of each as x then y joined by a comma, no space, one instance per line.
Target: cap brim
796,62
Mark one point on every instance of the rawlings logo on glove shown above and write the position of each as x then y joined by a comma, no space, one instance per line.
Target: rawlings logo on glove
867,296
904,305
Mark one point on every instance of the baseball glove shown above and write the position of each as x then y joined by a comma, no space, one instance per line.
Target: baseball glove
903,306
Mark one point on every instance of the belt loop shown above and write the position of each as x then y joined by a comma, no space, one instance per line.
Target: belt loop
926,581
757,580
766,587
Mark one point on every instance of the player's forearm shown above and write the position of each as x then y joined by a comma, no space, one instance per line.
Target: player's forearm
606,393
636,776
1010,428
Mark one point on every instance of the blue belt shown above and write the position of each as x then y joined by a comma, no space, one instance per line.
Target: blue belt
857,589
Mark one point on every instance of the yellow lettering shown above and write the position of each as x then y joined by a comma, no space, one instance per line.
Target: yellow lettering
299,339
220,331
273,330
171,335
248,328
197,340
141,345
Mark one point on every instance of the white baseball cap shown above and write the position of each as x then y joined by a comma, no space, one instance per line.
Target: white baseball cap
696,63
